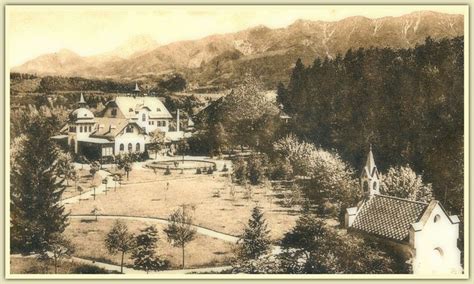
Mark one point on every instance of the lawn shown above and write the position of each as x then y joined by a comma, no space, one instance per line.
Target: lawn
88,238
20,265
208,197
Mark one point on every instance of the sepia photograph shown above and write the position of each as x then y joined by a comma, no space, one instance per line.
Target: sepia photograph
236,141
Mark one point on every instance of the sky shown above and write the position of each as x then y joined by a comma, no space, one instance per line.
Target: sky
88,30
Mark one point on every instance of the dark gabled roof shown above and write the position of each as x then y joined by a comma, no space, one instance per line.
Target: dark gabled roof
111,127
388,217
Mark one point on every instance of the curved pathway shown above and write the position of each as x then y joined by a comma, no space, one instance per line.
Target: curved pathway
199,229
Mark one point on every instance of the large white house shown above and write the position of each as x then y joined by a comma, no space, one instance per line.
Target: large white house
424,233
125,126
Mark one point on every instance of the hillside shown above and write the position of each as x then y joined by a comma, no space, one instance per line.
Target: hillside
267,53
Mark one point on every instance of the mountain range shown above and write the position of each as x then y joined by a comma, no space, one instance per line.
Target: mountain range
270,54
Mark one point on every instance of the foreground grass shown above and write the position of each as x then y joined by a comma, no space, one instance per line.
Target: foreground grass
88,237
34,266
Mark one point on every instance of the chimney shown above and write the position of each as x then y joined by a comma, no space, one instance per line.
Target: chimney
177,121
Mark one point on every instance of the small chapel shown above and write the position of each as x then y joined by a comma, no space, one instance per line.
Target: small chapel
424,233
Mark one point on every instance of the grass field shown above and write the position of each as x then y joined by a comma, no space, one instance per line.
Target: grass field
88,237
208,197
34,266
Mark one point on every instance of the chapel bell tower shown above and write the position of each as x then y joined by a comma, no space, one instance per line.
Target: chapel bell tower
369,178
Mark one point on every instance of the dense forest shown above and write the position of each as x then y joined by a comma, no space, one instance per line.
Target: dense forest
407,103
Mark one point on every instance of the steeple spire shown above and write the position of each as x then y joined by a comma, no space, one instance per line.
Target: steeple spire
136,87
82,101
370,162
369,178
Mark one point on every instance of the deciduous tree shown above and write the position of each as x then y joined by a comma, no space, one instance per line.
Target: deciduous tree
179,230
119,240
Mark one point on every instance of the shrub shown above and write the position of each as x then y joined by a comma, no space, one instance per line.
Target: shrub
89,269
257,168
167,171
209,171
225,169
240,171
198,171
281,169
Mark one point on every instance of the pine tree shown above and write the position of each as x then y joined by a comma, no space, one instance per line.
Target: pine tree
144,253
255,240
36,189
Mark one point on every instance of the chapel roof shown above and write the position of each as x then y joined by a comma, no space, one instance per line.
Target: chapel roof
388,216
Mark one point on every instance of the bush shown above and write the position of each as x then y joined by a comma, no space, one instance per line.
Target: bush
89,269
210,171
257,168
198,171
225,169
167,171
240,171
281,169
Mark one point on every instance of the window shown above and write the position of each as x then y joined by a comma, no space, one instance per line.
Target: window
374,185
130,110
114,112
122,147
143,117
137,147
436,218
90,128
158,109
80,129
107,151
130,147
164,123
72,129
129,129
152,122
366,187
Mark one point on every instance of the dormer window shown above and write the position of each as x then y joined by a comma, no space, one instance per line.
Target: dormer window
143,117
129,129
158,109
114,112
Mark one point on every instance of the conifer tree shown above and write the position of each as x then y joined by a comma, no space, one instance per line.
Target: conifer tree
255,241
36,190
144,253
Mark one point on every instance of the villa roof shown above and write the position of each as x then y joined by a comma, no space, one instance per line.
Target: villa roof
110,127
389,217
129,105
